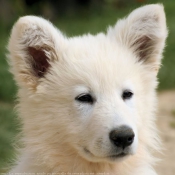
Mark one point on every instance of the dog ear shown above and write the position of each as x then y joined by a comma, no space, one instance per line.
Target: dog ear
33,45
144,32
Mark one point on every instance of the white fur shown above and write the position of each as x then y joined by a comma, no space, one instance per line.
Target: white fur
56,127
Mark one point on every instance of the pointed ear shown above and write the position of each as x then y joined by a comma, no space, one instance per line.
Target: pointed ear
33,45
143,32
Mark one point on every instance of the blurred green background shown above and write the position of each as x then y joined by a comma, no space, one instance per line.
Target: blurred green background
73,17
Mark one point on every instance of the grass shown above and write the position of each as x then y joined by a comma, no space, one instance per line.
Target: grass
173,113
76,25
8,131
172,123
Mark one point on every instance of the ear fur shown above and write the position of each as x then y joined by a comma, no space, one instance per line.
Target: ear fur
33,44
144,31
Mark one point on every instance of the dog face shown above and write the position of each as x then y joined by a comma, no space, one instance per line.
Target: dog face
92,94
99,97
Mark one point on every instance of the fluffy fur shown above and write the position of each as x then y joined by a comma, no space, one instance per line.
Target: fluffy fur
62,134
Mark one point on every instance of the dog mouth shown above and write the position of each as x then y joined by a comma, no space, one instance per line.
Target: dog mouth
122,154
112,157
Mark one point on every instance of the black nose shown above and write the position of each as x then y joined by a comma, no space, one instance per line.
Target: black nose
122,136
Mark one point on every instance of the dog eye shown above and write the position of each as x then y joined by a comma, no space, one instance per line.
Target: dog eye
127,95
85,98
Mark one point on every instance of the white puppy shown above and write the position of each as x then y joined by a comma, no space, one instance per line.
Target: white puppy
87,103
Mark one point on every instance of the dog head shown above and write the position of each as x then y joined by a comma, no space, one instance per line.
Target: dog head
93,94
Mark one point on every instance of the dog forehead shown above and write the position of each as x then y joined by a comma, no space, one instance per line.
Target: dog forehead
100,52
98,62
98,49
